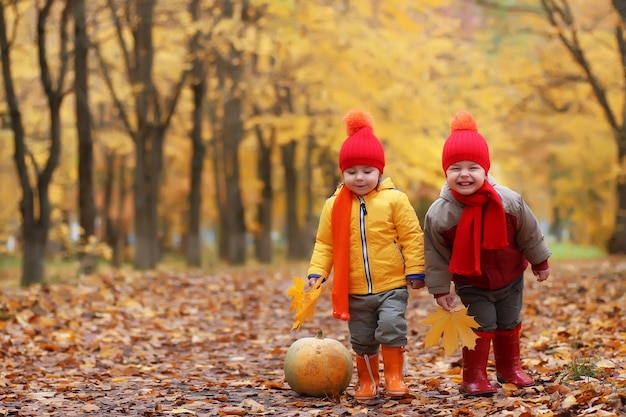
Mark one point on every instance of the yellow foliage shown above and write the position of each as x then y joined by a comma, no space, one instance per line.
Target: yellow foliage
448,326
438,56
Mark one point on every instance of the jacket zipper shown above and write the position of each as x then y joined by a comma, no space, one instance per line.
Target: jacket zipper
366,262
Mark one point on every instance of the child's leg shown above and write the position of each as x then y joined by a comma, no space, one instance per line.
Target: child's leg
506,344
481,306
391,333
362,325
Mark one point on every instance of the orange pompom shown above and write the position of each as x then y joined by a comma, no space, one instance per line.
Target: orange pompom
463,120
357,119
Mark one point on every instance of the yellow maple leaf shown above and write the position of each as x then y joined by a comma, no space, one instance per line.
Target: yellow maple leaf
296,292
448,327
303,302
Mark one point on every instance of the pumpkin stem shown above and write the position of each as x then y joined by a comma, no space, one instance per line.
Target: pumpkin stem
320,334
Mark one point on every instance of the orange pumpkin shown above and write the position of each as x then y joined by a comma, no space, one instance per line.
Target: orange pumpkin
318,366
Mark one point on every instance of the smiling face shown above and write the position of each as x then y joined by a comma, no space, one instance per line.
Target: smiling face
465,177
361,179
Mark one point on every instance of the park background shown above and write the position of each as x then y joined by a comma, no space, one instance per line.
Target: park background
208,131
164,163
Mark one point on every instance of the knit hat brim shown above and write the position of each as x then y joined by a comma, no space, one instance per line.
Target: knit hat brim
361,147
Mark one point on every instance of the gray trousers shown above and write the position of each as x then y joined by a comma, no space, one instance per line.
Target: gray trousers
378,319
494,310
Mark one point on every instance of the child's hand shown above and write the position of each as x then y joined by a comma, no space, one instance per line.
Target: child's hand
416,284
447,302
542,275
310,283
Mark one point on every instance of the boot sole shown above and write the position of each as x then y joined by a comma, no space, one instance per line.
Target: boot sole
478,394
504,381
369,397
365,398
396,393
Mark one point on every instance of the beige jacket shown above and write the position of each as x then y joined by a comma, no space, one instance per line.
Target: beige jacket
500,266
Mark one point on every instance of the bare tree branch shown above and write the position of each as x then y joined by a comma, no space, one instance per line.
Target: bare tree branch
119,106
560,18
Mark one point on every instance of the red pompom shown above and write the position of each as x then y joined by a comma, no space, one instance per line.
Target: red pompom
463,120
357,119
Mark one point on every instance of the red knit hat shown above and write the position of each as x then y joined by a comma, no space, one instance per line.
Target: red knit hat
465,143
361,147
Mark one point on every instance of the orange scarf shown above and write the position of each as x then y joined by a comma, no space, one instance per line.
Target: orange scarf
467,242
340,224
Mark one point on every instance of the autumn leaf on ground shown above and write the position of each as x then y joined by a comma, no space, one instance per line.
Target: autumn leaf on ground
303,302
447,327
122,324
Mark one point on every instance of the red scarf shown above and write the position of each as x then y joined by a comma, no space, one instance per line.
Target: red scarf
340,224
467,243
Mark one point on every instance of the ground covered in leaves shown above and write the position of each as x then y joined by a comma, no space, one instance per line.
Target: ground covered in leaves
213,344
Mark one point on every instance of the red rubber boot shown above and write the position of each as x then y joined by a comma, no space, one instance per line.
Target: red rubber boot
475,381
506,349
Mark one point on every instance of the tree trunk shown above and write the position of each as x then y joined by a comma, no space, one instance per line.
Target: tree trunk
217,148
33,262
152,119
263,233
235,220
110,233
556,226
194,243
617,244
296,249
150,138
121,226
232,236
36,220
618,240
86,203
198,90
147,175
146,223
309,216
115,232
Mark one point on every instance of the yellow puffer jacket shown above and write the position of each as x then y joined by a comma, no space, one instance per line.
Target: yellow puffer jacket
386,241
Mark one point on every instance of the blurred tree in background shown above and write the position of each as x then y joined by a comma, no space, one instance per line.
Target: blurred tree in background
210,129
37,162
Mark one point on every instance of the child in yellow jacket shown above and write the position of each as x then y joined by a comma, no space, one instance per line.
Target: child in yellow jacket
370,235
